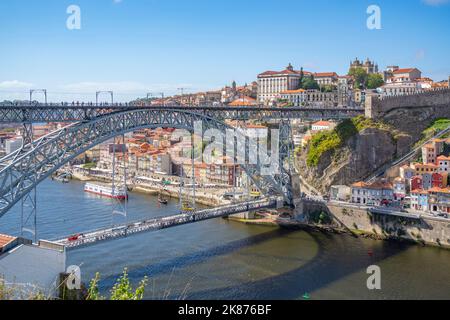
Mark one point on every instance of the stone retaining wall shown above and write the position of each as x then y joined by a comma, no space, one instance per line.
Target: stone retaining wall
430,231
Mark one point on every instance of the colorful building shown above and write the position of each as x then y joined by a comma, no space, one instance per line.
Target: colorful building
372,194
416,183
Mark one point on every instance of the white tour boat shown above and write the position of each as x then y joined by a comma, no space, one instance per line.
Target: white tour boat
104,190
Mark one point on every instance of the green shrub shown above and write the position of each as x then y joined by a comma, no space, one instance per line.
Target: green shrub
329,141
436,127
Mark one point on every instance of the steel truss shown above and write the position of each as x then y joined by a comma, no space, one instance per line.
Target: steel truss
70,113
23,171
28,216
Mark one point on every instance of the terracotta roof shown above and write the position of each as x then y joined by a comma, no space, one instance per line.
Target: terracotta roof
360,184
283,72
380,185
419,191
322,124
426,165
439,190
375,185
325,74
406,70
244,101
5,240
443,158
293,91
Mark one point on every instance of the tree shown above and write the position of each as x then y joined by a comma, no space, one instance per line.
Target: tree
328,88
360,77
374,81
309,83
302,75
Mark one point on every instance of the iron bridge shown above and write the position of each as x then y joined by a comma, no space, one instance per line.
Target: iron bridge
89,125
73,113
158,223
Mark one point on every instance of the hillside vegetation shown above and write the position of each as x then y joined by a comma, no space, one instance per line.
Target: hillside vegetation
436,127
329,141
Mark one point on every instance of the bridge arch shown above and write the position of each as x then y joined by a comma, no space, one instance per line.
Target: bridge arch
23,171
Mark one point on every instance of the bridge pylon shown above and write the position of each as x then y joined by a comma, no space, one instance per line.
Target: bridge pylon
284,178
28,216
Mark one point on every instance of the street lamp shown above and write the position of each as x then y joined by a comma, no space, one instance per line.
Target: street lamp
182,93
100,92
162,97
44,91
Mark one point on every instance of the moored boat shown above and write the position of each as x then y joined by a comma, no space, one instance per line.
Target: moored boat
105,190
162,200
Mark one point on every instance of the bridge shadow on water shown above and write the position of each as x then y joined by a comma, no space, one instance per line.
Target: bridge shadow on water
325,268
332,263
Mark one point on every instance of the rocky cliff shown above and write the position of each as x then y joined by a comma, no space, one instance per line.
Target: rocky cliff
369,146
360,155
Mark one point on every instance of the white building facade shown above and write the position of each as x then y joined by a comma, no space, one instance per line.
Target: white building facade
272,83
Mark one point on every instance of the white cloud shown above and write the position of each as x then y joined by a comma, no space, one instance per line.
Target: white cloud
15,84
435,2
117,1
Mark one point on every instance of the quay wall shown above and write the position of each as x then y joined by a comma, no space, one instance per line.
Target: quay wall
347,217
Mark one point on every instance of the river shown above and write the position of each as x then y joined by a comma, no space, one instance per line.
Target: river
219,259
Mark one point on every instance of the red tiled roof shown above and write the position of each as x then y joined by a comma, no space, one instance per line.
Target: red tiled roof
283,72
5,240
406,70
439,190
360,184
322,124
244,101
325,74
376,185
443,158
293,91
419,191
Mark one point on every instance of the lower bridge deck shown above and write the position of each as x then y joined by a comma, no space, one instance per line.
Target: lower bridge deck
133,228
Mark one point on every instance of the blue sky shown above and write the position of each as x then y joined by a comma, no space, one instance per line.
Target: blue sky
139,46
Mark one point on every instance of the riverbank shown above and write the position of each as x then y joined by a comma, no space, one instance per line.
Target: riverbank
207,197
361,222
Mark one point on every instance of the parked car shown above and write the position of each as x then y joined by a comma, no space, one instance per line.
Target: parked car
442,215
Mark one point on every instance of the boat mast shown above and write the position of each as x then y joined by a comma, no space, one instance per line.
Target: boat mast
119,206
193,171
181,186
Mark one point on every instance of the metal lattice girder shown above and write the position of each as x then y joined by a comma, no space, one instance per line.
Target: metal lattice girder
69,113
21,174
